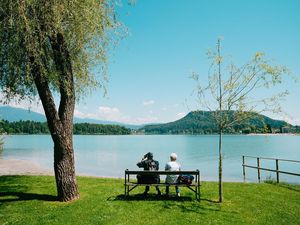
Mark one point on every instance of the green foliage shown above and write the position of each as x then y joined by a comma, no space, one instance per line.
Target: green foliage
202,122
31,200
27,29
296,129
233,88
24,127
32,127
87,128
270,180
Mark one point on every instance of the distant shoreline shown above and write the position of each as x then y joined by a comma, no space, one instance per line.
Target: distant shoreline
144,134
268,134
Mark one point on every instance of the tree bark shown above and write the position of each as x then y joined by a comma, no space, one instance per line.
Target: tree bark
60,122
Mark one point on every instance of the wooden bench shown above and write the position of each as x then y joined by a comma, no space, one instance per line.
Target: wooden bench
131,184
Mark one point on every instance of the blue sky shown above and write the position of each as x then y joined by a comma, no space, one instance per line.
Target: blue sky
168,39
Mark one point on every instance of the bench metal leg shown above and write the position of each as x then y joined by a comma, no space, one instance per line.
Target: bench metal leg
198,186
131,188
126,190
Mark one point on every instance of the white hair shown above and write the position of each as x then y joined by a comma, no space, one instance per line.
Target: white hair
173,156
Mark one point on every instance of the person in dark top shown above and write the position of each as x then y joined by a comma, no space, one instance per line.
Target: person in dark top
148,163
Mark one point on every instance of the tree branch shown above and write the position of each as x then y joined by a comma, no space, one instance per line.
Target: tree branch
66,81
54,123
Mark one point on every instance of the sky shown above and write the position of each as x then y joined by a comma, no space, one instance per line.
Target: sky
149,71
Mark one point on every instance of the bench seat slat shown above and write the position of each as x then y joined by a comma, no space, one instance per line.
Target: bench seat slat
161,184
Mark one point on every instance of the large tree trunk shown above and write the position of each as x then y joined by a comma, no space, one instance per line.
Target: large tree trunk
61,134
66,183
60,122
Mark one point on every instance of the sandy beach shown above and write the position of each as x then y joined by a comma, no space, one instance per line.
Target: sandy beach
22,167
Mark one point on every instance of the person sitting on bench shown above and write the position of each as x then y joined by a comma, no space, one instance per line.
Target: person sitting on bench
172,179
148,163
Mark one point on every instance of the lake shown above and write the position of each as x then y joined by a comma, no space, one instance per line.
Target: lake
110,155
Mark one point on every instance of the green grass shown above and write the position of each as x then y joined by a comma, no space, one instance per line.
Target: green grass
31,200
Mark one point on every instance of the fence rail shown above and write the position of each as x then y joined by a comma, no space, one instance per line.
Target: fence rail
277,171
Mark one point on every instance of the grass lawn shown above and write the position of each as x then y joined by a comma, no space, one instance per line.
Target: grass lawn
31,200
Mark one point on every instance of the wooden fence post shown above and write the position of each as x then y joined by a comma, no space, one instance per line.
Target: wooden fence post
258,170
277,173
125,183
244,172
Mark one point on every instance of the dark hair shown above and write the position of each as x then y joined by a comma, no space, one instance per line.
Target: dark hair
149,155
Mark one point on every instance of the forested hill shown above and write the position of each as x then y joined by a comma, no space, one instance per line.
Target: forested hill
201,122
32,127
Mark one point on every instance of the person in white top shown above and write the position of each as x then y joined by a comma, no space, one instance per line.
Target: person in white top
172,179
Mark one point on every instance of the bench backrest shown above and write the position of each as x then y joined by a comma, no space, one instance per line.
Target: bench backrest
182,172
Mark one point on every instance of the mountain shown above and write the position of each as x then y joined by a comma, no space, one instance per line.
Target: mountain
13,114
202,122
197,122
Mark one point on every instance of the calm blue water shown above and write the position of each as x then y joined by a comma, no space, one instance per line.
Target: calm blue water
111,155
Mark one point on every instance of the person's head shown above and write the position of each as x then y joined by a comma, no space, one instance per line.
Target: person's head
173,156
149,156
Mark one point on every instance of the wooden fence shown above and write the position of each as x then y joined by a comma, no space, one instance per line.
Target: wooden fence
259,168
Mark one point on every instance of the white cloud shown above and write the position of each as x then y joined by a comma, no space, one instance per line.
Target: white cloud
105,110
35,106
293,121
79,114
149,102
180,115
115,114
102,113
287,118
144,120
109,113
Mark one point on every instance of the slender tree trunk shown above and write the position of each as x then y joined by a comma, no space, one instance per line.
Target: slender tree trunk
220,124
220,166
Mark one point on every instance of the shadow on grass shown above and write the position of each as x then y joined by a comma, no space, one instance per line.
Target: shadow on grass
11,190
209,200
149,197
154,197
184,204
292,187
22,196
